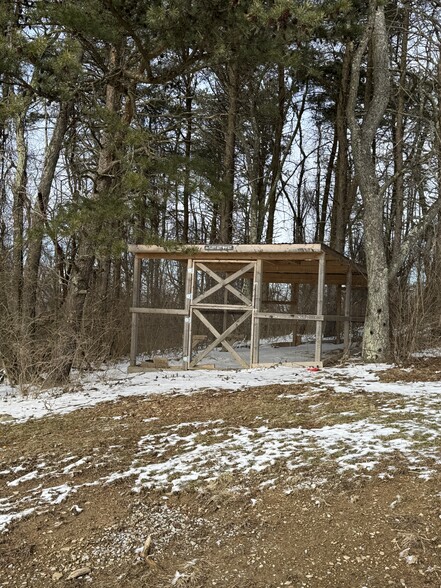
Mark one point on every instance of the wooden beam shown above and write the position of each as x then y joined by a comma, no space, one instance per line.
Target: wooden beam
320,304
230,249
143,310
347,311
216,307
255,321
187,338
318,364
136,299
289,316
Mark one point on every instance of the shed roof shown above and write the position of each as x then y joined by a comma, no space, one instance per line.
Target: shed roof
282,263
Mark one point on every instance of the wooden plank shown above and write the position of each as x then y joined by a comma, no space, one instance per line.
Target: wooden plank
347,311
193,250
294,306
143,310
320,303
342,318
318,364
290,317
136,299
255,320
186,343
217,307
220,338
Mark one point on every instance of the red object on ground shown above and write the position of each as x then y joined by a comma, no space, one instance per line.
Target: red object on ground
313,369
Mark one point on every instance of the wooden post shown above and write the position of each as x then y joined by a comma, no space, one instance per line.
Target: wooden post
294,305
136,299
348,305
255,320
338,313
186,345
320,301
225,317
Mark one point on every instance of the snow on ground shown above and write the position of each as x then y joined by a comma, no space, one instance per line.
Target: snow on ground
113,382
406,421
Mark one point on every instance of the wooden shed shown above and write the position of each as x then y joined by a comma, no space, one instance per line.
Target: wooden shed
232,280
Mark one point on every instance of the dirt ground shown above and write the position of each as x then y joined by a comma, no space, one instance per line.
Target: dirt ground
239,530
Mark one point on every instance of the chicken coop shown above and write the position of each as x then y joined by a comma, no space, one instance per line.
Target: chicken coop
239,298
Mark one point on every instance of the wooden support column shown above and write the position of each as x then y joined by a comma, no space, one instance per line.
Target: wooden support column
348,306
186,345
338,313
225,317
255,320
294,306
320,303
136,299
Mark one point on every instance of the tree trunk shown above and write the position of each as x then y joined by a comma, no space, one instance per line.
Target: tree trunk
341,205
12,347
65,350
19,192
276,163
376,346
187,142
39,212
227,201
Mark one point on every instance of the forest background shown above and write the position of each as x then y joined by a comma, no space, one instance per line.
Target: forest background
211,121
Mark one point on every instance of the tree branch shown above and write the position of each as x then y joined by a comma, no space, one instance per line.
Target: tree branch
412,238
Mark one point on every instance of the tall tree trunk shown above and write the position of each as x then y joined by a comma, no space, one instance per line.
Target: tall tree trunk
342,205
39,212
69,339
227,201
276,160
376,331
322,208
12,348
398,143
19,194
187,142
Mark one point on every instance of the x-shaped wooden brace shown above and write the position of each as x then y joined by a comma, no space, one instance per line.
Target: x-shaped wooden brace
220,338
224,283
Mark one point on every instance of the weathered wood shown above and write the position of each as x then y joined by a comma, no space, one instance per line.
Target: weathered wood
186,344
289,264
220,337
318,364
290,317
136,298
195,250
217,307
347,311
320,303
143,310
225,283
255,321
294,306
197,340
